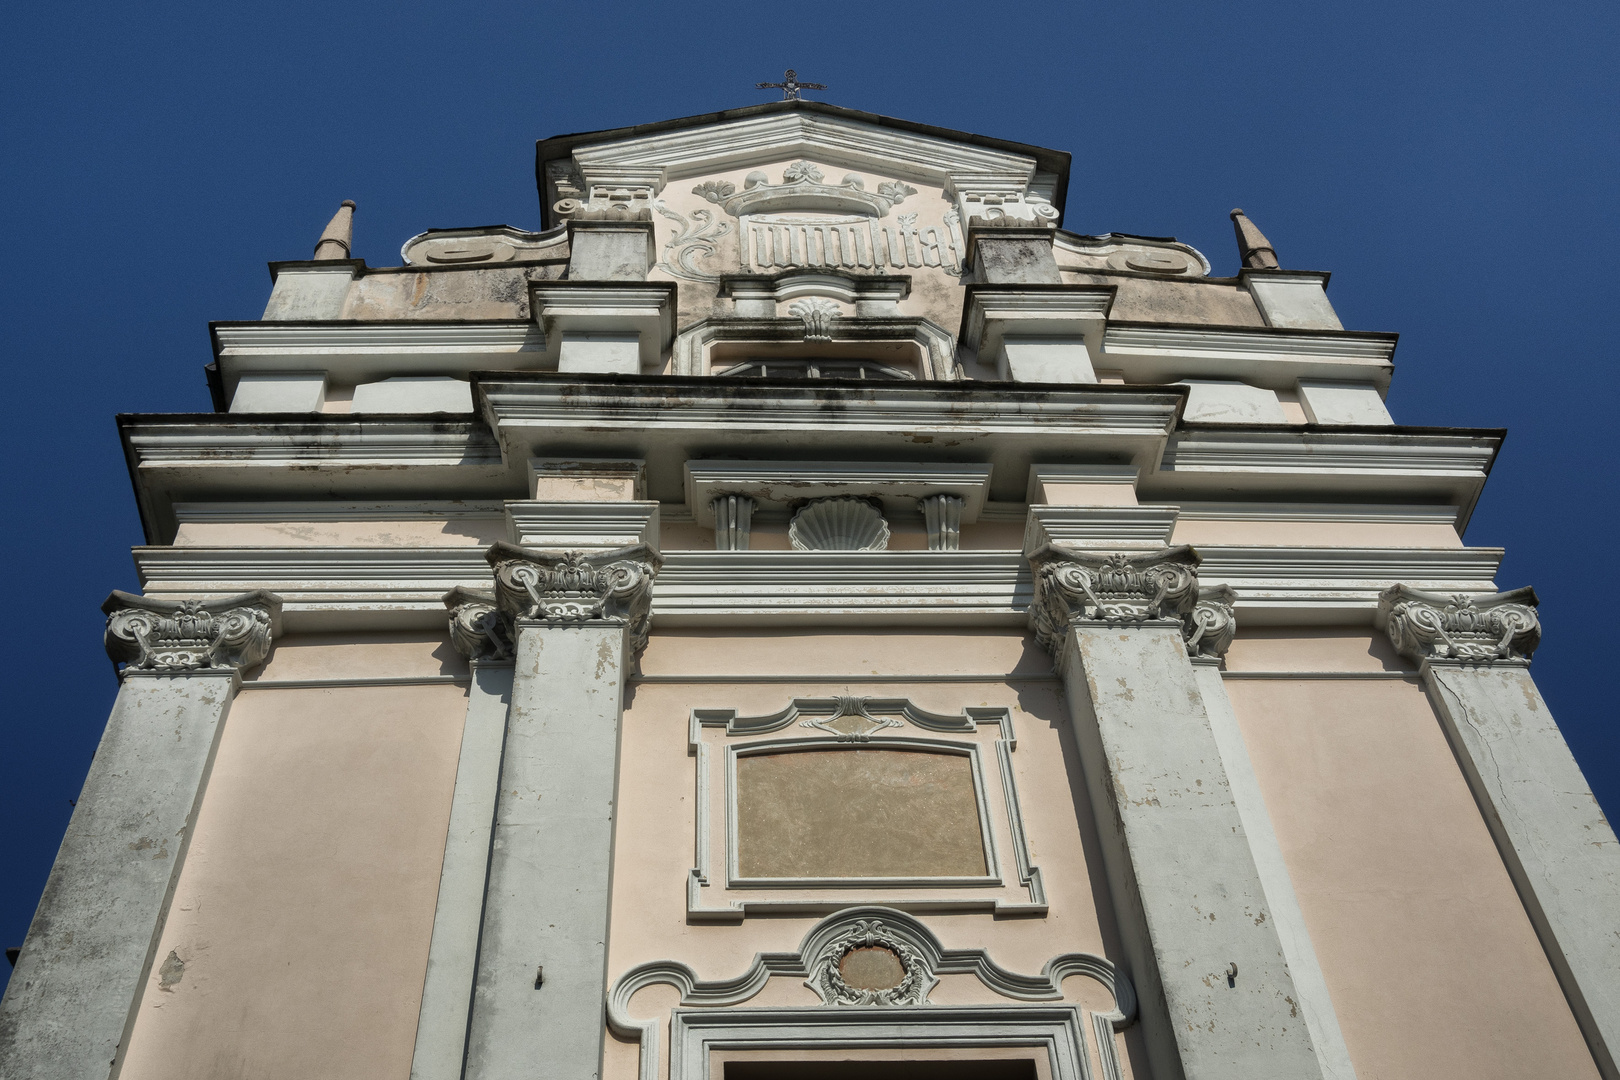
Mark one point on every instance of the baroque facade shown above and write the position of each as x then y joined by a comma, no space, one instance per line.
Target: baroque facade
803,612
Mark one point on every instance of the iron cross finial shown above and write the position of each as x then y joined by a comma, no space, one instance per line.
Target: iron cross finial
791,85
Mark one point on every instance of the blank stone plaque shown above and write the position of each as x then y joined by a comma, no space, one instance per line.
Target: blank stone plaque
858,813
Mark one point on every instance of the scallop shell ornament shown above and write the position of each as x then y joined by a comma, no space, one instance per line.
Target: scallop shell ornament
843,524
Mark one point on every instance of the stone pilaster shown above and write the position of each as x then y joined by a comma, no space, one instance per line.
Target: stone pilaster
1559,849
486,637
68,1008
541,979
1218,999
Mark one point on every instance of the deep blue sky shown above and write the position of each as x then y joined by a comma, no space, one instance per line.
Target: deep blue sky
1453,165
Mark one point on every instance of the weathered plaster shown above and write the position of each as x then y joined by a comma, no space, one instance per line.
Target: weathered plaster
1433,966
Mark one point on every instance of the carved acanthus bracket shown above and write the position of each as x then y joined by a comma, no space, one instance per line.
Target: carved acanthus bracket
578,587
478,628
180,636
1072,585
1434,626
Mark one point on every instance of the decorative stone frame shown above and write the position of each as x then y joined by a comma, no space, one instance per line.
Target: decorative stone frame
936,346
996,794
904,1017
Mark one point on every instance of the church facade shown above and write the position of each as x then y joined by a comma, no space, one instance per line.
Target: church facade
804,613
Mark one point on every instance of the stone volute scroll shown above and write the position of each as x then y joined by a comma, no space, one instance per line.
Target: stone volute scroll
564,587
1433,626
1122,588
479,629
183,637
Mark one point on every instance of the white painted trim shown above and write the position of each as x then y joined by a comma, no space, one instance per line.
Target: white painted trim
804,712
881,1024
359,680
776,485
327,587
1274,359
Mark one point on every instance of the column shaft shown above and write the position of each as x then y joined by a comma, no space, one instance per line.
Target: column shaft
441,1032
542,963
1218,1000
89,949
1558,847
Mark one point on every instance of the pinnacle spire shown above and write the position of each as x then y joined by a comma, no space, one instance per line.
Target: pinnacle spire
339,232
1254,250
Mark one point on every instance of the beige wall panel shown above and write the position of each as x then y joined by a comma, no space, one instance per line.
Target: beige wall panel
1319,648
992,651
654,838
406,654
1434,969
474,532
298,939
1316,534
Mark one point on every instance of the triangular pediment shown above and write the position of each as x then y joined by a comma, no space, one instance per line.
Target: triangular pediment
644,160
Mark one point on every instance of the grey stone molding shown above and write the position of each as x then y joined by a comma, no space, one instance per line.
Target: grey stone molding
479,630
923,957
393,588
575,526
934,341
942,516
171,637
783,485
885,721
576,586
1433,626
733,517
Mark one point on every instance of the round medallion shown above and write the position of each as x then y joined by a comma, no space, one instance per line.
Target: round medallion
871,967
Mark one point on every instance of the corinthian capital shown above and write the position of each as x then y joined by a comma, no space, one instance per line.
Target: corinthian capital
577,586
478,629
1071,585
1425,625
180,636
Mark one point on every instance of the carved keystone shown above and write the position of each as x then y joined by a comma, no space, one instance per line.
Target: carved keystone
577,587
180,636
1477,629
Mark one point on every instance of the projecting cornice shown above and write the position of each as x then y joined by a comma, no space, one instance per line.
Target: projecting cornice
347,588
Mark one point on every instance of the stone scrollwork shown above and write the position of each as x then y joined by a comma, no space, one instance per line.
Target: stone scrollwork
182,636
695,238
1474,629
908,981
918,959
1212,624
479,630
577,587
1071,585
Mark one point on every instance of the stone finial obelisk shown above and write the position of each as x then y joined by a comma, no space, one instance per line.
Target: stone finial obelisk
334,241
1253,248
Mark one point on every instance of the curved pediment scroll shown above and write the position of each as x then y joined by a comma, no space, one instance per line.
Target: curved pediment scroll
913,961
